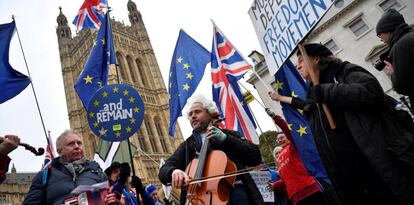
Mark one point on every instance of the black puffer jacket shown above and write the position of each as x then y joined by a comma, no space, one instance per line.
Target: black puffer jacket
61,182
369,150
239,150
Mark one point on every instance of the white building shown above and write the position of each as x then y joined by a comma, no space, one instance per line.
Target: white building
348,30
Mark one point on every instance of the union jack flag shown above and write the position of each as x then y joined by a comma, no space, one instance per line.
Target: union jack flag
227,67
49,156
90,14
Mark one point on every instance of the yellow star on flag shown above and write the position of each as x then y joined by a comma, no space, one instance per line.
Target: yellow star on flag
96,103
117,134
132,120
301,130
136,109
94,42
180,59
293,94
105,94
290,126
116,89
95,124
100,84
91,114
241,103
126,92
170,85
279,85
88,79
128,129
131,100
190,75
108,53
170,74
300,111
186,87
103,41
186,65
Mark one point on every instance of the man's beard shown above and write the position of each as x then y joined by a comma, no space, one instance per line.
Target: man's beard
202,128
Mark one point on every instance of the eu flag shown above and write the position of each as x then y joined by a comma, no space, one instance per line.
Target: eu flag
187,69
95,71
12,82
290,83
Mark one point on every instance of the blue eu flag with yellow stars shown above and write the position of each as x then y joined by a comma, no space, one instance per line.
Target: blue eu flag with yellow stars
290,83
12,82
187,69
95,71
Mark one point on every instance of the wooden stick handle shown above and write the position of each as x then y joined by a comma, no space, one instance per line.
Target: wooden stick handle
315,80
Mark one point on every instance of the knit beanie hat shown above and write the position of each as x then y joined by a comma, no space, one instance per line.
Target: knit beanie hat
150,188
389,21
316,49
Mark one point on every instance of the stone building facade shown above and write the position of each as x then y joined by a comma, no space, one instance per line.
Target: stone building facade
15,187
137,67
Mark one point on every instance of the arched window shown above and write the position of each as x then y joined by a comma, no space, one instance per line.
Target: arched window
142,141
121,67
158,126
151,136
131,69
141,73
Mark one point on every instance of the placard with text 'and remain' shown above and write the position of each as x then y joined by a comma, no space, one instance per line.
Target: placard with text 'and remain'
115,112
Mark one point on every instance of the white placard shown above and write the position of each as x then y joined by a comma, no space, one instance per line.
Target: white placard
261,178
281,24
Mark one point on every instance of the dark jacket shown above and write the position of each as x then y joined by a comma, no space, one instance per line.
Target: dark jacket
239,150
61,182
368,155
402,59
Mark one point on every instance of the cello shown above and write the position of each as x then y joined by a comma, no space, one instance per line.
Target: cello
210,163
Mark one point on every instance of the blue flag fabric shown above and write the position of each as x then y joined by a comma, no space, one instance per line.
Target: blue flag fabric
95,71
290,83
187,69
12,82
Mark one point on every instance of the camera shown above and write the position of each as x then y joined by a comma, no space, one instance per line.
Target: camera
379,64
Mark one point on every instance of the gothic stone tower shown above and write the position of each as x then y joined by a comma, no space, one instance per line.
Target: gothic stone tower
138,67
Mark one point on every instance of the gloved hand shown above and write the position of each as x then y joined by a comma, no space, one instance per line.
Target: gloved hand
137,183
270,112
217,134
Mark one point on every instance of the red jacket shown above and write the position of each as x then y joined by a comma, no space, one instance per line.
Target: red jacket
4,166
293,175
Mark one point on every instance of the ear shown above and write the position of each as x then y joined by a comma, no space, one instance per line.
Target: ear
59,151
316,59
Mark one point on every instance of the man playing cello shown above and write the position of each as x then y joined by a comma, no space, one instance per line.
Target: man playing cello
239,150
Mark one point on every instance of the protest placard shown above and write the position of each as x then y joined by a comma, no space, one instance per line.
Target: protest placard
281,24
261,178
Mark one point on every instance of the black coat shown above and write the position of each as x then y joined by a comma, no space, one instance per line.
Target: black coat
369,156
239,150
402,59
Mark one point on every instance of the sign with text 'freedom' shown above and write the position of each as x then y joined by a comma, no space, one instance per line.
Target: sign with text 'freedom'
281,24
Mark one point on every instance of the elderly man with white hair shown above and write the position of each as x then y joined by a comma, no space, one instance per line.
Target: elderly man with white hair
242,152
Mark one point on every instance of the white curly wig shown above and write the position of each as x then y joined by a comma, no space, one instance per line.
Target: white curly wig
209,105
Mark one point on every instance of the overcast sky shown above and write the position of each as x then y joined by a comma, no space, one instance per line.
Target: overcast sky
36,23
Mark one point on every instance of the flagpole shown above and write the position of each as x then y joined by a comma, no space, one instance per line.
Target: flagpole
118,81
31,80
254,116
